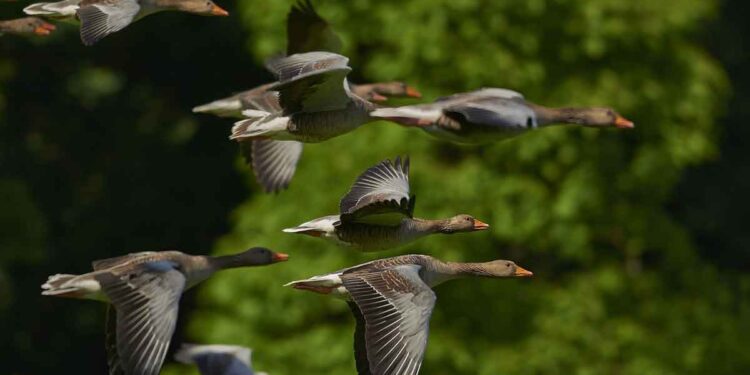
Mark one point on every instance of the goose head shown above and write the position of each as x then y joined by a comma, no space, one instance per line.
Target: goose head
382,91
199,7
30,25
504,268
462,223
602,117
259,256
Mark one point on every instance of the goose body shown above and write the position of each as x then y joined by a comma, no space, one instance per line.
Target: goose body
26,26
100,18
493,114
377,213
144,291
392,302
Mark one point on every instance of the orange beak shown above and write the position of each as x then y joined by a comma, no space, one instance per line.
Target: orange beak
623,123
375,97
218,11
478,225
521,272
412,92
280,257
44,29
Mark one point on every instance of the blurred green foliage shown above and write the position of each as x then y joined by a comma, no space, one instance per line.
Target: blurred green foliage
101,156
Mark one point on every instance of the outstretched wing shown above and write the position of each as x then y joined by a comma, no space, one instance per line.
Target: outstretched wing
306,31
380,195
101,18
146,304
396,306
311,82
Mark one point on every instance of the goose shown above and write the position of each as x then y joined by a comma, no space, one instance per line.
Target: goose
315,103
26,25
377,213
307,31
217,359
493,114
392,301
100,18
144,290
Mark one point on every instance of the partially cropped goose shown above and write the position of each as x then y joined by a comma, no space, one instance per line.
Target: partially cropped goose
307,31
392,302
144,291
493,114
25,26
217,359
377,213
100,18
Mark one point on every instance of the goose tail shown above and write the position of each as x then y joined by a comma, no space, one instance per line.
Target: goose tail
65,8
316,228
59,285
258,124
227,107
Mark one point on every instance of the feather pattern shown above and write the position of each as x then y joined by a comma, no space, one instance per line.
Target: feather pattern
146,305
106,17
380,195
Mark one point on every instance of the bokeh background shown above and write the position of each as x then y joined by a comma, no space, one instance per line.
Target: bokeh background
637,239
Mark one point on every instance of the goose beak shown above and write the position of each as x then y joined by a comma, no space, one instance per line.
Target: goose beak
478,225
280,257
521,272
375,97
218,11
44,29
623,123
412,92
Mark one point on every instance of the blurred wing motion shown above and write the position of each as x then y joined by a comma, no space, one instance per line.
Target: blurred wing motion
380,195
306,31
395,306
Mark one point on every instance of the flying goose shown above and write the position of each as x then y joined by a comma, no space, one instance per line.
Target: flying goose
378,213
217,359
26,25
392,301
307,31
493,114
100,18
144,291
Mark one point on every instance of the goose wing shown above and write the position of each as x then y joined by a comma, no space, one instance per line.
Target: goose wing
216,359
100,18
311,82
274,162
396,306
380,195
146,303
307,31
489,107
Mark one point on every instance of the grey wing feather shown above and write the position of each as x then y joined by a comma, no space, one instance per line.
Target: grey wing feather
396,305
103,264
307,31
274,162
267,101
110,343
100,20
360,349
380,195
146,305
311,82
